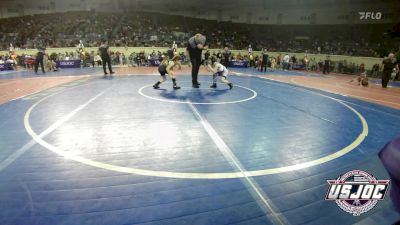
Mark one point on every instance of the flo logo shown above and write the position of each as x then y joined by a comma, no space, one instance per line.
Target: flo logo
356,191
370,15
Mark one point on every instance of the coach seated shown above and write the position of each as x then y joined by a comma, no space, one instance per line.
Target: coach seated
50,64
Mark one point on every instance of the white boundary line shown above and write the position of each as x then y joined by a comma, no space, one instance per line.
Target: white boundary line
170,174
10,159
199,103
313,91
293,80
249,182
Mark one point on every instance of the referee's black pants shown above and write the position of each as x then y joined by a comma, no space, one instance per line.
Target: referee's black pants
386,75
195,59
108,61
37,62
263,66
326,70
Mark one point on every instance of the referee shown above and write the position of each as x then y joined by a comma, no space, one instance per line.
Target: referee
105,56
389,64
195,46
39,60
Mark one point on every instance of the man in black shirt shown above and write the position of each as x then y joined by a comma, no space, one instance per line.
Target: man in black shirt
264,62
195,46
105,56
327,65
39,60
227,55
389,64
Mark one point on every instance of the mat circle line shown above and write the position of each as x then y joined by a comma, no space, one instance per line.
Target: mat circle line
140,91
184,175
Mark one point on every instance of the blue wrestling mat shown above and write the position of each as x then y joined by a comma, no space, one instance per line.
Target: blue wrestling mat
116,151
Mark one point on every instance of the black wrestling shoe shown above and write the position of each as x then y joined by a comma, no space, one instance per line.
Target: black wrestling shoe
156,86
213,86
195,86
176,87
230,85
112,72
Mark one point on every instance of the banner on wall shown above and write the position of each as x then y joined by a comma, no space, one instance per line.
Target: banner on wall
68,63
238,63
6,66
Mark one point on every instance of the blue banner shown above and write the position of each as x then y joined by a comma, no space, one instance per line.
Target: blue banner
238,63
76,63
154,62
6,66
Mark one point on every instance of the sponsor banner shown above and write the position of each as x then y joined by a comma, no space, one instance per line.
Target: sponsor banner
154,62
238,63
5,66
69,63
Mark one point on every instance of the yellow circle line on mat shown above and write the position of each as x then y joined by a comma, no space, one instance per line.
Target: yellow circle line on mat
183,175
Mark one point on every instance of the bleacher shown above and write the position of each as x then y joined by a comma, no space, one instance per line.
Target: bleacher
159,30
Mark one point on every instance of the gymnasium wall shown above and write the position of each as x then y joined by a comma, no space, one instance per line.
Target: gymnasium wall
368,61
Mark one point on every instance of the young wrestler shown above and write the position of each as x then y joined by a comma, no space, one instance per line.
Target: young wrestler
218,70
362,79
166,67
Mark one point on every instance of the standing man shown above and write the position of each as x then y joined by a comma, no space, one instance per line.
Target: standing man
264,62
39,60
251,59
279,60
327,65
286,60
195,46
388,64
105,56
227,55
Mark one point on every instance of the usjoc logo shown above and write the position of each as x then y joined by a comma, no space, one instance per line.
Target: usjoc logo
356,191
370,15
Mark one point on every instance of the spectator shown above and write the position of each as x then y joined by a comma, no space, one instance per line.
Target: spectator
327,65
286,60
97,59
